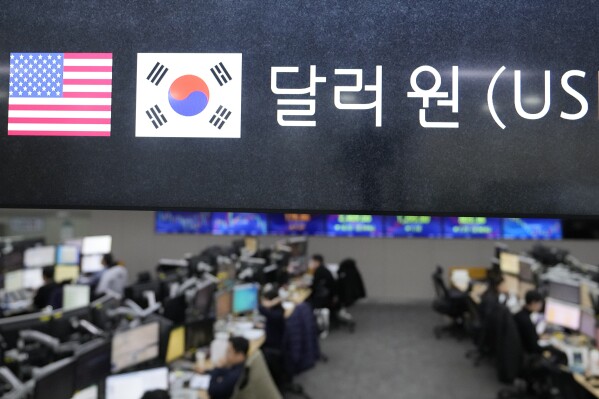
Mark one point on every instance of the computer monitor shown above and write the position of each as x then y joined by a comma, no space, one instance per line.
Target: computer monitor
91,264
67,255
512,283
96,245
33,278
136,292
175,309
526,269
64,273
11,326
245,298
39,256
562,314
135,346
134,385
176,344
251,244
93,364
62,326
75,296
199,334
224,304
56,381
13,281
509,263
588,324
567,292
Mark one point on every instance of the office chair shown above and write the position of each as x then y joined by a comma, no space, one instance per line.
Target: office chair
449,305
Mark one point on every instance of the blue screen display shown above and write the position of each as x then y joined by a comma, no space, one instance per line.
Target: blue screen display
67,255
354,226
231,223
182,222
413,226
532,229
472,227
296,224
245,298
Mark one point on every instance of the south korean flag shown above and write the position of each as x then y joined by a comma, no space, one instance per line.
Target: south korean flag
188,95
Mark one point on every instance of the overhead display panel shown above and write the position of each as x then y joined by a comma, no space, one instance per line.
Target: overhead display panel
360,108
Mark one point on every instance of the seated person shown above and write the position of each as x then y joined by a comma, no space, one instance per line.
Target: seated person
113,279
272,309
225,376
526,328
43,297
324,286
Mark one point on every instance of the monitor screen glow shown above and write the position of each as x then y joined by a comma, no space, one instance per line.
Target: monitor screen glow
509,263
355,226
67,255
532,229
472,227
134,385
91,264
135,346
75,296
562,314
13,281
39,256
96,245
66,273
245,298
414,226
231,223
33,278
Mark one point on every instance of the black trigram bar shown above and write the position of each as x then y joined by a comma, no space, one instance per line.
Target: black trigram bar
155,76
156,117
220,117
220,73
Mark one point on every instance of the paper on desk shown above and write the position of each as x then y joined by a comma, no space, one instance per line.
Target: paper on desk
253,334
200,381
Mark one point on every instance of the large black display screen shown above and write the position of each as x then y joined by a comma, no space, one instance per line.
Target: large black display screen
411,107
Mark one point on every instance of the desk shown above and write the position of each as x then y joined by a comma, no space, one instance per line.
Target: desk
297,296
474,272
583,382
255,345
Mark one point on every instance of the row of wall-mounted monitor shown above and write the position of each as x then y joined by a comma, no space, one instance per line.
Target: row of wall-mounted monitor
231,223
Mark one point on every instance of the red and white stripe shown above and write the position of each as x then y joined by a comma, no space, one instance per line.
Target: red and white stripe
84,108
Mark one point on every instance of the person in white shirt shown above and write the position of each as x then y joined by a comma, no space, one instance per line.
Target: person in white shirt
114,277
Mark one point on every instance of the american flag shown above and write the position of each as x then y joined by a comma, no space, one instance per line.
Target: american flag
60,94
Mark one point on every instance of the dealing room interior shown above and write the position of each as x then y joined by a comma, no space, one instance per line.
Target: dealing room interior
122,304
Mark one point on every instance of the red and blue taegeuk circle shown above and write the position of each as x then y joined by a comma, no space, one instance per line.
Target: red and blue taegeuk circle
188,95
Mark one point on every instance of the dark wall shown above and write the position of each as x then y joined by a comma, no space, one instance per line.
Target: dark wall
532,167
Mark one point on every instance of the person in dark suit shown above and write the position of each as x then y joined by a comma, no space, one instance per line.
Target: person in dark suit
43,297
224,378
492,297
272,309
526,328
324,286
